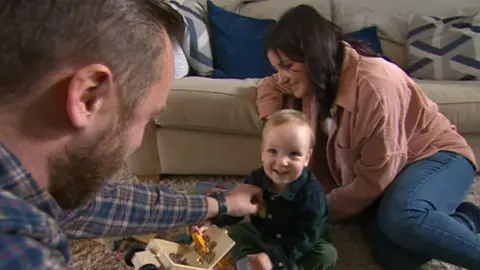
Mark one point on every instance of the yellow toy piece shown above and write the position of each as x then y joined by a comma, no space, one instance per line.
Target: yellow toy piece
262,212
200,242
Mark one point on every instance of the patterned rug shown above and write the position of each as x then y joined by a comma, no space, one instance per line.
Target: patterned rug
353,252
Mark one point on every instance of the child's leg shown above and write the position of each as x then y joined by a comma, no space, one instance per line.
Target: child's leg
323,256
247,241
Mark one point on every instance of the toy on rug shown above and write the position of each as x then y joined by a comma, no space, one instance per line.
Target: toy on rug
207,188
207,251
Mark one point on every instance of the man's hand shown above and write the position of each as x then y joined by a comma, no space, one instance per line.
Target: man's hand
244,200
202,227
260,261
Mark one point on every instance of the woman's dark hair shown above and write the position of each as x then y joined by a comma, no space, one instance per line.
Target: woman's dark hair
304,35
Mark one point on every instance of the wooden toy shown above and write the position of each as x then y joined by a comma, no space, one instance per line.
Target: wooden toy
206,252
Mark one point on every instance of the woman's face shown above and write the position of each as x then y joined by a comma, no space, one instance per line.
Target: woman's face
291,73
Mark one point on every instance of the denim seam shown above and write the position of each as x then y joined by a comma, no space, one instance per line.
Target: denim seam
447,165
474,246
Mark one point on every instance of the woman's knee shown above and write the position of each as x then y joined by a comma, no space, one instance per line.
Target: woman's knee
400,219
388,253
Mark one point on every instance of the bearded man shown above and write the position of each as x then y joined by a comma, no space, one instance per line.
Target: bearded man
79,80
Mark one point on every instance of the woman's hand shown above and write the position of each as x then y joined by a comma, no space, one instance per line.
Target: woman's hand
260,261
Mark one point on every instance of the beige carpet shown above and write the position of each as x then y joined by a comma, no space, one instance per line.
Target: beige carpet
353,253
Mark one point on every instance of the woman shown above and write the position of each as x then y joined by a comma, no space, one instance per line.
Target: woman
396,163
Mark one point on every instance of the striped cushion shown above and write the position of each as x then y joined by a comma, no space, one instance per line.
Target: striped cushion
197,41
444,48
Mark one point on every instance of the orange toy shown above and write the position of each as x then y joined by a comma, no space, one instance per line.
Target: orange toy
200,242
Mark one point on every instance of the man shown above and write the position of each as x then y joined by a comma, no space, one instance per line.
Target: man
79,80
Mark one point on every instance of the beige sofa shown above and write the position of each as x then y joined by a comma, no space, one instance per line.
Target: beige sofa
211,127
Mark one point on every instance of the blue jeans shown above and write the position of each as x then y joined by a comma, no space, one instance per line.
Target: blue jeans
415,221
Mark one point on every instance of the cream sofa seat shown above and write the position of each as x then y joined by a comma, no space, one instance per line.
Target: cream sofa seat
211,127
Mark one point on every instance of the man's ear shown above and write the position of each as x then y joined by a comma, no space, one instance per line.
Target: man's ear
88,90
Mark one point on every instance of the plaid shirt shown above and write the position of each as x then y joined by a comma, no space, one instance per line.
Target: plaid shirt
34,230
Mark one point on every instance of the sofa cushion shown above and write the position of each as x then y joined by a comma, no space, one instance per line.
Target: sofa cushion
228,105
238,44
181,63
369,36
458,101
213,105
444,48
391,18
197,38
268,9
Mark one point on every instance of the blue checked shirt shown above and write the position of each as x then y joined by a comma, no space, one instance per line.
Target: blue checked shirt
34,230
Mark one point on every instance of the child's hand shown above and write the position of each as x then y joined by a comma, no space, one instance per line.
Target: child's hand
260,261
202,227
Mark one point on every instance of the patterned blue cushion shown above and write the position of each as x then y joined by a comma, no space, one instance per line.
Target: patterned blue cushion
444,48
197,41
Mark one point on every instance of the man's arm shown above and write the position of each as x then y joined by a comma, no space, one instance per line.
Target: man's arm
21,253
136,209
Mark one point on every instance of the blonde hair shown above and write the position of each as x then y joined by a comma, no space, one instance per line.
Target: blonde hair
289,116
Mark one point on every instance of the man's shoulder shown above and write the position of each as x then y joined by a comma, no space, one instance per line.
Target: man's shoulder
24,238
16,213
22,252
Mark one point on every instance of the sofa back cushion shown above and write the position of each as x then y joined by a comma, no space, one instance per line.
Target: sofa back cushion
273,9
238,44
196,45
391,18
444,48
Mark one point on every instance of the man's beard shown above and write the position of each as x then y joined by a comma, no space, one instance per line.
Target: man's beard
77,177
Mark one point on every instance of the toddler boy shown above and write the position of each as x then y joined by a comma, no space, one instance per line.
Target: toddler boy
291,230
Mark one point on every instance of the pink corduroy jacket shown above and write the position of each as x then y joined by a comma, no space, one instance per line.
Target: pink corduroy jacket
381,122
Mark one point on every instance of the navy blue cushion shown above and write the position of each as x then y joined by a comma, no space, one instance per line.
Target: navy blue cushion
369,35
238,44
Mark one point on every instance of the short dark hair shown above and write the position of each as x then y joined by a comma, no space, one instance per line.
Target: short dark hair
39,37
305,36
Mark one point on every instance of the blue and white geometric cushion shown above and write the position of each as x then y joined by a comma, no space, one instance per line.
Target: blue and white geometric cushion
444,49
196,45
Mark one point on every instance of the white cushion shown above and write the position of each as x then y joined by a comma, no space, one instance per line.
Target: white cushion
444,48
391,16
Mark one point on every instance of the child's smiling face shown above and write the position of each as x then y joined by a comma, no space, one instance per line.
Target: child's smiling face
286,150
